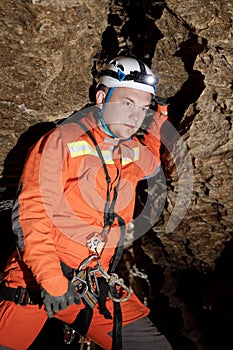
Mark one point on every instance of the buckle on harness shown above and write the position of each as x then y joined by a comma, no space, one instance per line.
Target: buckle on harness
22,297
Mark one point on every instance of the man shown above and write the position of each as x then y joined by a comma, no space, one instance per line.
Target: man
74,203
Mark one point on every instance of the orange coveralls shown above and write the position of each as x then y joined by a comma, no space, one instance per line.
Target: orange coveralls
60,202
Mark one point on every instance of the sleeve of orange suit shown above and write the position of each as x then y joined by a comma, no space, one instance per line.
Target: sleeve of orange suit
31,221
154,137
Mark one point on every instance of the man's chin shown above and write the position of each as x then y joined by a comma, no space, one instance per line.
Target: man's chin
126,136
125,132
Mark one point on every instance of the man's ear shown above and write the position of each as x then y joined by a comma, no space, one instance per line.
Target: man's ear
100,97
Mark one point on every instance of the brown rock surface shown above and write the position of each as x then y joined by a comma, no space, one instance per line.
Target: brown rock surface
48,49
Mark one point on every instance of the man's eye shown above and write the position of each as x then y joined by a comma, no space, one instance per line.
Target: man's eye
144,109
128,104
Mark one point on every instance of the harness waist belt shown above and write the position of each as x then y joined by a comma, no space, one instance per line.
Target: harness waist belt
19,295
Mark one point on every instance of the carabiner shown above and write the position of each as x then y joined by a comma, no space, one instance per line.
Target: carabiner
87,260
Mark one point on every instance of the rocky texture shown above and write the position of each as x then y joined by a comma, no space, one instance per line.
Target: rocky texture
47,53
199,50
49,49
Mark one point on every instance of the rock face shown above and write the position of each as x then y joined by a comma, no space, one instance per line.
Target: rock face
47,52
49,49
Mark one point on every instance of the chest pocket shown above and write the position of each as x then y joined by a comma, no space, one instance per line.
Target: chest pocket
129,155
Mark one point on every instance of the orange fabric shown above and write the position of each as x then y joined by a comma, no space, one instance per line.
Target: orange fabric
63,197
153,138
162,109
20,325
61,202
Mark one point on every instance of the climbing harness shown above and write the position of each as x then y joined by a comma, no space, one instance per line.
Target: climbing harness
21,296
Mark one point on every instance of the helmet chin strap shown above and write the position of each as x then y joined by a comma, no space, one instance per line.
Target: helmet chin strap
121,76
101,111
104,125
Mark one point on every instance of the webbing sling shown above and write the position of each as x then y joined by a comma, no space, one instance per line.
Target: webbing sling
109,216
109,213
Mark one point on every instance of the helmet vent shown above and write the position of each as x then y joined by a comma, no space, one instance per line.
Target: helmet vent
120,67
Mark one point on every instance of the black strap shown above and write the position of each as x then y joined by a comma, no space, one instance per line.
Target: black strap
120,247
138,77
104,288
109,216
68,272
109,213
21,296
117,322
82,322
117,314
142,67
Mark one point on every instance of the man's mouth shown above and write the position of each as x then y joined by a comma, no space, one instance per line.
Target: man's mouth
130,126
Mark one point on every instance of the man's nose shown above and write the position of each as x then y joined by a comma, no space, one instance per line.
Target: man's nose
135,113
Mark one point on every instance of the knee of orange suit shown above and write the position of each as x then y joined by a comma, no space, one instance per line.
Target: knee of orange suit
20,325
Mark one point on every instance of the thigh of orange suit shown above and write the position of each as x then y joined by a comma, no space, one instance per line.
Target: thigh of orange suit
20,325
100,330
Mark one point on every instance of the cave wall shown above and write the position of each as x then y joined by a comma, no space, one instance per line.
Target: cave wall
49,50
194,59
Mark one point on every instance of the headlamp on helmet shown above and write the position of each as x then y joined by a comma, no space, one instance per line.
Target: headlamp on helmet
128,72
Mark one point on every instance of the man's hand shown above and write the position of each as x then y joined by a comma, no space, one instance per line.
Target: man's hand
162,101
55,304
163,104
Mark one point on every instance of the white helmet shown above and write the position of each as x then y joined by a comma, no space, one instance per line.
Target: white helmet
128,72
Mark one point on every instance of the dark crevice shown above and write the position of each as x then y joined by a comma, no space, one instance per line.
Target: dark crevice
134,22
169,320
193,86
189,50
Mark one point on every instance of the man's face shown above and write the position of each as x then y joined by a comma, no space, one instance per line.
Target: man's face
125,111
